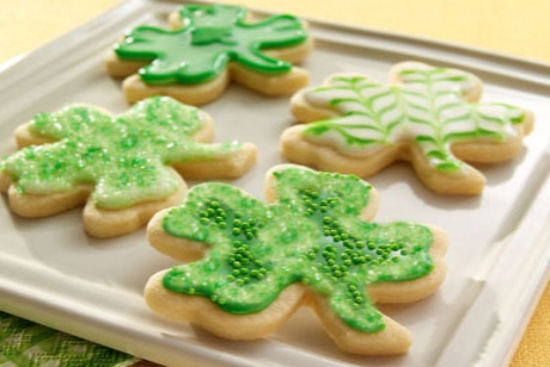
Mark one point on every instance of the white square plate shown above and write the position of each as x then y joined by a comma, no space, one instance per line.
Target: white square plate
53,273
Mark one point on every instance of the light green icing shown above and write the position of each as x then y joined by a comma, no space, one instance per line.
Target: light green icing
26,344
426,109
211,36
124,157
312,234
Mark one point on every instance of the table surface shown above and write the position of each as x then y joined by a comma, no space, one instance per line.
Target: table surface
517,27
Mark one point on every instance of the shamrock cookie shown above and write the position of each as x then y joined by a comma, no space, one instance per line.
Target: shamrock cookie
428,116
209,46
254,264
125,168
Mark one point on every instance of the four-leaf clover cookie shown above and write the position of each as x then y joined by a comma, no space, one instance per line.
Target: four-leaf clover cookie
429,116
250,265
209,46
125,168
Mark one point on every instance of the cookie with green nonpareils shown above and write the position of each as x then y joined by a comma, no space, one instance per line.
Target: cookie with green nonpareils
251,264
125,168
429,116
209,46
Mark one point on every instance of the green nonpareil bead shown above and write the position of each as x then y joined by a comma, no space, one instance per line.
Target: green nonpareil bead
292,246
212,36
124,157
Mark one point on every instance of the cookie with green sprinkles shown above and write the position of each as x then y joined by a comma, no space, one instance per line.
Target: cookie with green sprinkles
125,168
209,46
429,116
250,265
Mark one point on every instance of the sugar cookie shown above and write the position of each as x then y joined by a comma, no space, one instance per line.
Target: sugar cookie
125,168
255,264
428,116
210,46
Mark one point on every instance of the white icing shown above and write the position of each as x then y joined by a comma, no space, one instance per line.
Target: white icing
455,111
392,115
385,101
414,99
444,99
429,102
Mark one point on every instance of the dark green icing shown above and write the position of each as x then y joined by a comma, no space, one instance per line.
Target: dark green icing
211,36
125,157
312,234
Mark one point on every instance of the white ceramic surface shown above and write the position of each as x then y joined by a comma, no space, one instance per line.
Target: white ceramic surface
53,273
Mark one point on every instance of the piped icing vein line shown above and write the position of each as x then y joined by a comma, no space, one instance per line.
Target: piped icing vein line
124,157
312,234
426,108
212,35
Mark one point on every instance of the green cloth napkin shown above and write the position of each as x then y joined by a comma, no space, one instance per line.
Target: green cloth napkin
26,344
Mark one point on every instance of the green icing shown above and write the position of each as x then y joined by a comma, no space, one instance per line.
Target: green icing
125,157
312,234
212,35
426,109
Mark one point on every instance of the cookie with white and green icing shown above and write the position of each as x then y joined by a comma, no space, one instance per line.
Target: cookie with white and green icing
125,168
250,265
209,46
427,115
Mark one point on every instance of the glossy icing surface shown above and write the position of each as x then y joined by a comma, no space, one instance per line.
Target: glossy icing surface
211,36
425,109
312,234
124,157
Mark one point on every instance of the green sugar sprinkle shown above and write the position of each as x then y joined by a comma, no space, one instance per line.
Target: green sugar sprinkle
124,157
312,234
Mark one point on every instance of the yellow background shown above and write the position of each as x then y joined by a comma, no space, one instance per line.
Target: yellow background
519,27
